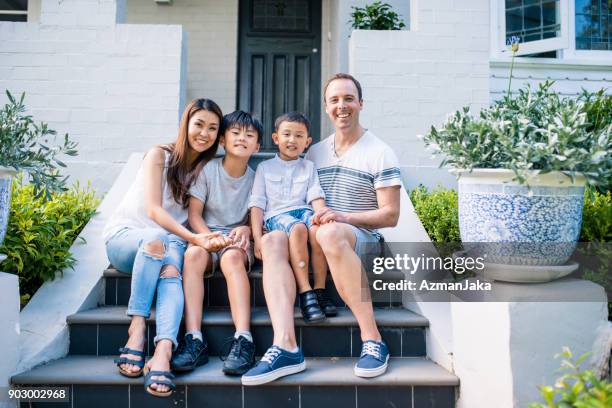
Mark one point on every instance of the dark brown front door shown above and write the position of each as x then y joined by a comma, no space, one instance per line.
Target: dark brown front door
279,65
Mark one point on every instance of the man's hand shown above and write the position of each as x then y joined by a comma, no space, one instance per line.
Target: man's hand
326,215
211,242
241,237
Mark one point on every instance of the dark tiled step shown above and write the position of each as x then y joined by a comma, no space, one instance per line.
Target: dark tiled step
103,330
117,289
409,382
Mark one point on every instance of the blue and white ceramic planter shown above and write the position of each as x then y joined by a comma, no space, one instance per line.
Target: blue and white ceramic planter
6,175
521,225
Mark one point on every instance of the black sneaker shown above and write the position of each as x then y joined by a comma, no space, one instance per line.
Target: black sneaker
190,354
311,311
326,303
240,358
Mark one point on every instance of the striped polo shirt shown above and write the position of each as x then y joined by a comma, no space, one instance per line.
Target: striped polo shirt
350,181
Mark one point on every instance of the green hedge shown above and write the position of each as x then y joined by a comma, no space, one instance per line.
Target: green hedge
438,211
40,233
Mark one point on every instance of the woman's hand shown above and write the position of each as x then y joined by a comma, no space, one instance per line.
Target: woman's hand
241,237
211,242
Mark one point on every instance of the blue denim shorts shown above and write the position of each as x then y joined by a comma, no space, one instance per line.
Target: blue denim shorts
285,221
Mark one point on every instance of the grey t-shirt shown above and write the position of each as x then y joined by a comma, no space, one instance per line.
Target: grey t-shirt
225,198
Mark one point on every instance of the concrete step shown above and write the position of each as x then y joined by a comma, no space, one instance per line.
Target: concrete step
327,382
103,330
117,289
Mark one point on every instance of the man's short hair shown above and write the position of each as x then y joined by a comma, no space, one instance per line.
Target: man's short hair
296,117
341,75
242,120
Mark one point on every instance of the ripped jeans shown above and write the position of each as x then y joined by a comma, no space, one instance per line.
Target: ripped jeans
126,251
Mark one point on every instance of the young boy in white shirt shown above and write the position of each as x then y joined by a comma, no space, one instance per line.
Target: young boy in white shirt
285,191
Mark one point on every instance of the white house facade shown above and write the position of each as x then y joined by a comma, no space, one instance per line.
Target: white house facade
115,74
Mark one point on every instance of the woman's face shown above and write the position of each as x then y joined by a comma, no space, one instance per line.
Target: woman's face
202,130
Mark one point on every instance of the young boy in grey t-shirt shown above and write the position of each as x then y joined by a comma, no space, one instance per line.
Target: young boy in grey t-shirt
219,206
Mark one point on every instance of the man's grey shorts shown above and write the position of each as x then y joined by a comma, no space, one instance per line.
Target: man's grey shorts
366,242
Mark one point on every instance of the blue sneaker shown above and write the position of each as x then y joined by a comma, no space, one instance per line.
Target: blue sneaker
374,359
274,364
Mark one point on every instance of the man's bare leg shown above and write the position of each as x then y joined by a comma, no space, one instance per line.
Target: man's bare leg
338,240
279,288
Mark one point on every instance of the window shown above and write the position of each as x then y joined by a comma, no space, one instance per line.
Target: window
540,25
564,29
13,10
593,27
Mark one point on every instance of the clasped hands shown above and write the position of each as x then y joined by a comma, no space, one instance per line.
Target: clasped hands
214,241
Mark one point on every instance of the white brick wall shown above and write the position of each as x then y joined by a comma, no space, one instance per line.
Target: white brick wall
212,43
414,79
569,77
114,88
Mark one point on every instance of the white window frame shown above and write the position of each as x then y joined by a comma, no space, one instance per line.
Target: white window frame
566,48
499,49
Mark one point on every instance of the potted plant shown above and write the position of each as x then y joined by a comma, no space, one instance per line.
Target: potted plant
26,146
522,165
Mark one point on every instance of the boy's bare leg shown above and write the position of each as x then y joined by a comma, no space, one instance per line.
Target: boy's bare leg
298,254
317,257
233,263
338,241
279,288
196,261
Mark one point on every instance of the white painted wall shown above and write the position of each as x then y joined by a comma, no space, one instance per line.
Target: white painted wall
9,341
414,79
212,43
503,351
114,88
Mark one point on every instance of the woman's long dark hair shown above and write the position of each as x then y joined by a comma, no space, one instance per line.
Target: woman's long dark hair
181,174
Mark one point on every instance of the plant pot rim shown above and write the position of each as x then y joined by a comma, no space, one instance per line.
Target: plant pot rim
7,171
534,177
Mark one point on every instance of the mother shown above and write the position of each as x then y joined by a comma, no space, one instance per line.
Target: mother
146,236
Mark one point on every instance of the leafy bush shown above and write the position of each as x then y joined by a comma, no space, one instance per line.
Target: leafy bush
596,217
536,130
27,146
438,211
41,232
576,388
376,16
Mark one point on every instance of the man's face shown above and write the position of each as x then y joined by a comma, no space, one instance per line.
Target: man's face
342,104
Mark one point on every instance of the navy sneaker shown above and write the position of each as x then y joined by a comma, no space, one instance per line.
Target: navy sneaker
274,364
374,359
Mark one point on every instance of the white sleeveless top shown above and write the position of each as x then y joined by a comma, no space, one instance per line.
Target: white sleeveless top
131,212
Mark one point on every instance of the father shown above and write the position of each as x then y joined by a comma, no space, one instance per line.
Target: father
360,176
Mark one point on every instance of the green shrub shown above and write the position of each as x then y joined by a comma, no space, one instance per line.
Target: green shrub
576,388
596,217
376,16
438,211
40,233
